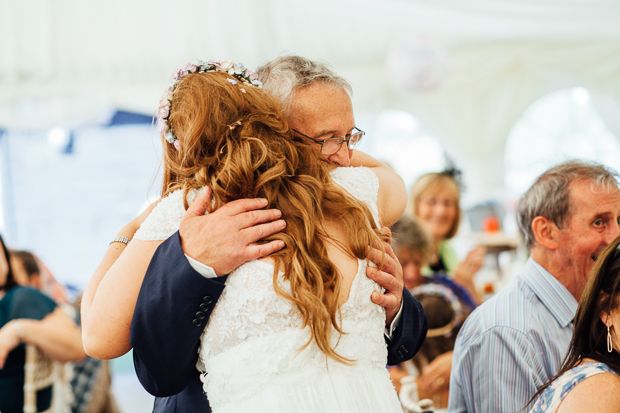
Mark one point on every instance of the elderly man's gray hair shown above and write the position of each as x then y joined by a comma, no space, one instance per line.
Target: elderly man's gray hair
549,196
283,76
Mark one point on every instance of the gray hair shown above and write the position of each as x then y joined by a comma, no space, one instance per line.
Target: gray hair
283,76
549,196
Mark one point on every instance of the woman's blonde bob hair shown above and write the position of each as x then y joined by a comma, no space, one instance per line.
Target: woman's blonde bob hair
432,183
239,144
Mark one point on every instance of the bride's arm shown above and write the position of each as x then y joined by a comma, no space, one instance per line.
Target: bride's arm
110,297
392,197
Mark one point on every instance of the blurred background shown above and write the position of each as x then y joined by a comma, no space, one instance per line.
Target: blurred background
504,89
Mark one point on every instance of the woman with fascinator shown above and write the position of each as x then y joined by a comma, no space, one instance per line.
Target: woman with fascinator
589,379
434,202
296,331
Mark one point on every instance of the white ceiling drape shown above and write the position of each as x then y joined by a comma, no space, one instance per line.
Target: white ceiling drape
68,62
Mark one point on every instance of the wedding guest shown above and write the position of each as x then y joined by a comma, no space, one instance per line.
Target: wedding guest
442,299
413,246
29,270
431,365
434,201
25,269
589,380
29,317
514,343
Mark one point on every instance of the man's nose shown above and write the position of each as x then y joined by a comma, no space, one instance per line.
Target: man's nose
342,157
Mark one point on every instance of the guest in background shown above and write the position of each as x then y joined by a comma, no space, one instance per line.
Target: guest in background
29,270
90,378
593,351
514,342
445,316
29,317
446,304
434,201
414,247
25,269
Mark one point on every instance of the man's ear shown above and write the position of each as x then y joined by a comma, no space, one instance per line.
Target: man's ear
546,232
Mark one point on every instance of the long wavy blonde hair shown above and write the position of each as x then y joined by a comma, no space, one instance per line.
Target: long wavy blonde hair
258,158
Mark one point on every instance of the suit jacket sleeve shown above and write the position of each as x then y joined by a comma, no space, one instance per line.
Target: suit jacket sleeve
171,313
411,332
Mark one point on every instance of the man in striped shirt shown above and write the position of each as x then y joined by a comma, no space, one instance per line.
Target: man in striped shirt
516,341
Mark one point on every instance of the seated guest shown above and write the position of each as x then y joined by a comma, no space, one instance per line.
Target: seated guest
30,271
413,247
29,317
432,365
593,351
25,269
90,381
434,201
514,342
445,317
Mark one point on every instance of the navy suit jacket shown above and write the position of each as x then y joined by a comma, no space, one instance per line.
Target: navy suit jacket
172,310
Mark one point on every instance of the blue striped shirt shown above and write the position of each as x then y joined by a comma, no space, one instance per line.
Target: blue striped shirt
512,344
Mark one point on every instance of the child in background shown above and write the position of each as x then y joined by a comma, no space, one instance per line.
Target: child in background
446,304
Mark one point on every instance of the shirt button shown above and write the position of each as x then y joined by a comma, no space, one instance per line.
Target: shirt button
200,315
196,323
204,306
208,299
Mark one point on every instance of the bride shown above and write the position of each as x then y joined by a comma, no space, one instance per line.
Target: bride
296,331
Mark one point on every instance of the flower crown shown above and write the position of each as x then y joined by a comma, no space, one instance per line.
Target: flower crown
236,70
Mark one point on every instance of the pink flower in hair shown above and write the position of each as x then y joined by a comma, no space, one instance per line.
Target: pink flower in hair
189,67
252,74
177,145
163,112
162,126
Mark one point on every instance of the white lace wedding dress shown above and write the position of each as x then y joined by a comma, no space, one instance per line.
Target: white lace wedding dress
250,355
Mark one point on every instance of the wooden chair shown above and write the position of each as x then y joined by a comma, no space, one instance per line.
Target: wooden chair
39,374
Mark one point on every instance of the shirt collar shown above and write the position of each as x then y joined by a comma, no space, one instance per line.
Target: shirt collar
558,300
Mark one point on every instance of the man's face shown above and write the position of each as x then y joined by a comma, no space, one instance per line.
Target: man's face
323,111
593,225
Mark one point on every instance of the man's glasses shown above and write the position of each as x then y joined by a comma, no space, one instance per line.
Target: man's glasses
330,146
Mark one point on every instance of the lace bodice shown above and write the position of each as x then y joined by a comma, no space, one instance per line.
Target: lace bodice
251,355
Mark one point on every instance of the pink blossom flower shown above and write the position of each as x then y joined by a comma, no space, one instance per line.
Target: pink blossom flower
163,112
177,145
162,126
252,74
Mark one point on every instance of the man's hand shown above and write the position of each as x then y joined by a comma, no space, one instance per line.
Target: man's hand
224,239
389,276
436,376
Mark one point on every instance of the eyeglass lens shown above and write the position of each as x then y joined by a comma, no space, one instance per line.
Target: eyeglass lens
332,145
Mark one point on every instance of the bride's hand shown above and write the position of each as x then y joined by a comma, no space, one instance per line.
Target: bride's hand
388,275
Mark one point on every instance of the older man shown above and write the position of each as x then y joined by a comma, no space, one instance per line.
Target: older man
516,341
179,292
